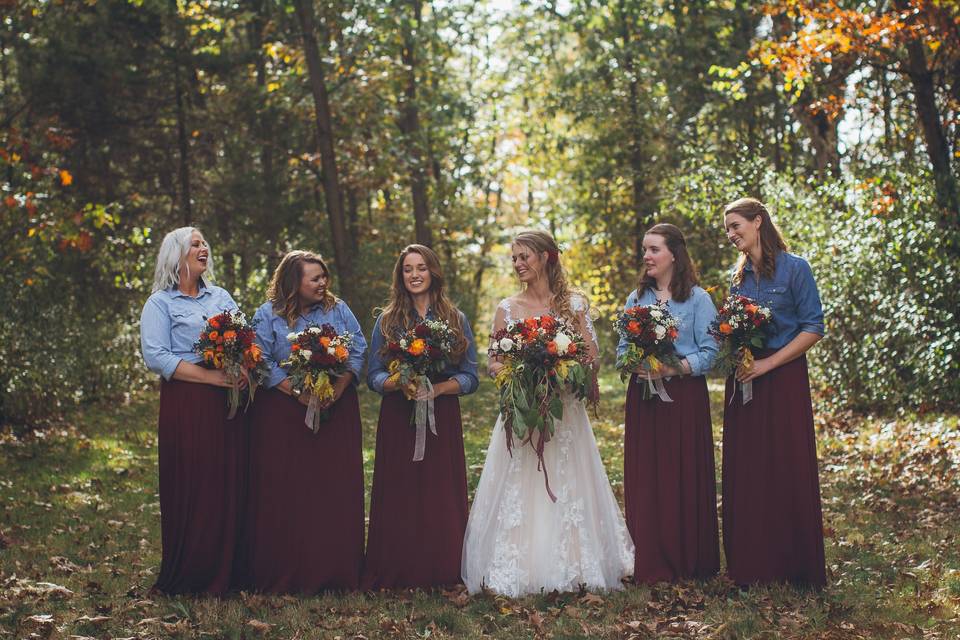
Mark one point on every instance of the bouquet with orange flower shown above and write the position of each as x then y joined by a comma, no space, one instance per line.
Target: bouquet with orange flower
650,331
741,324
317,354
541,355
227,343
423,350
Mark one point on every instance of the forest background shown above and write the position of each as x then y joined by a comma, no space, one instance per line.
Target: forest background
354,127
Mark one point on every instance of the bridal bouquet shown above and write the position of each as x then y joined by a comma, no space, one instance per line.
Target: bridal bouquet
541,356
317,354
650,332
423,350
226,342
741,323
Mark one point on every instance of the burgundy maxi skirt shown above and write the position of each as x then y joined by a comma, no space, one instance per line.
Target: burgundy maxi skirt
304,524
772,522
202,472
669,482
418,510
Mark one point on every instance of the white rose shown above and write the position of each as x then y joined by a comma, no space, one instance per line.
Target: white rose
306,353
314,329
661,332
331,351
291,337
655,312
506,344
403,343
563,341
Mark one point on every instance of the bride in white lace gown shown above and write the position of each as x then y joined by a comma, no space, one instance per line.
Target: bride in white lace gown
518,541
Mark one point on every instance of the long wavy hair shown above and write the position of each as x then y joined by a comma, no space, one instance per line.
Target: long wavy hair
284,291
685,275
399,314
560,289
771,241
173,249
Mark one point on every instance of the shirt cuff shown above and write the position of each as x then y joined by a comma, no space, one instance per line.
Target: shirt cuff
813,328
276,377
376,381
467,383
169,368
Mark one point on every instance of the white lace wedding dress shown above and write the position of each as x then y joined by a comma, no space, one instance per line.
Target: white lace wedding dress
520,542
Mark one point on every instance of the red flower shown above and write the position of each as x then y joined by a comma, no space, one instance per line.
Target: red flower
421,331
435,353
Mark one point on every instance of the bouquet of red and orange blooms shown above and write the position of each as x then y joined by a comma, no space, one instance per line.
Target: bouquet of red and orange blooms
317,354
650,332
741,324
541,355
423,350
227,342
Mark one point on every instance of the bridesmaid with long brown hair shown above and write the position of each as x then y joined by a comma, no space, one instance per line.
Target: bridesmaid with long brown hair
304,528
418,509
772,520
669,481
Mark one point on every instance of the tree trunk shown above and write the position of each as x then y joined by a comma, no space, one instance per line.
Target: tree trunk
410,126
928,115
183,142
325,147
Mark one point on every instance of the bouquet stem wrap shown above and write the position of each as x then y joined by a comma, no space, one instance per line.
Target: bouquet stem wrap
424,416
233,393
657,388
321,392
746,364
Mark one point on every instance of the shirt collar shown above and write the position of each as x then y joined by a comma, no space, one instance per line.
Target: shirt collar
204,291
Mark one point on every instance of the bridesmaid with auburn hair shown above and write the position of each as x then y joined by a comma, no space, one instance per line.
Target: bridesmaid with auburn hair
304,529
772,520
418,509
669,481
201,453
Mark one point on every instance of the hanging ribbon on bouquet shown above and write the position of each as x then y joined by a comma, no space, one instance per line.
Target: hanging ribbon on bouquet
321,393
424,416
657,388
745,365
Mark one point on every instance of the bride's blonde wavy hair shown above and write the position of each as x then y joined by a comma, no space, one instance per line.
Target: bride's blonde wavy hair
560,300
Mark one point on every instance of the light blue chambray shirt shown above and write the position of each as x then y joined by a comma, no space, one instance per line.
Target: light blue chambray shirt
791,294
272,332
695,315
464,372
171,322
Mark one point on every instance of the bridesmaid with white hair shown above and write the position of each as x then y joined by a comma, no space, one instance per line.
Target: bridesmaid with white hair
201,453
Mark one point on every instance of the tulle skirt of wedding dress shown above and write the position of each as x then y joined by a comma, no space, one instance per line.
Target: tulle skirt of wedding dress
520,542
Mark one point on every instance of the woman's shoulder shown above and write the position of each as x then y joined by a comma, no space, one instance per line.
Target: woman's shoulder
579,301
265,310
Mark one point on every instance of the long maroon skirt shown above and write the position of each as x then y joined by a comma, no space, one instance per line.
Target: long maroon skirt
669,482
418,510
304,526
772,523
202,469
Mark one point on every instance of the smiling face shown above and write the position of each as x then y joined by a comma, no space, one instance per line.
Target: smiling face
313,285
416,274
528,263
195,262
742,232
657,257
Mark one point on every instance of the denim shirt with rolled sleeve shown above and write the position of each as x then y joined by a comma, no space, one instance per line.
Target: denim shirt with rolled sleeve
272,331
791,294
464,372
171,322
695,315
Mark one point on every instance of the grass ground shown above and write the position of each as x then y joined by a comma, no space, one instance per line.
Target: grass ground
79,547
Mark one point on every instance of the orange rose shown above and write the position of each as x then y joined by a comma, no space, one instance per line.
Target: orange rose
214,335
417,347
552,347
324,341
572,349
547,322
531,323
341,352
725,328
214,323
751,308
229,334
294,347
633,326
